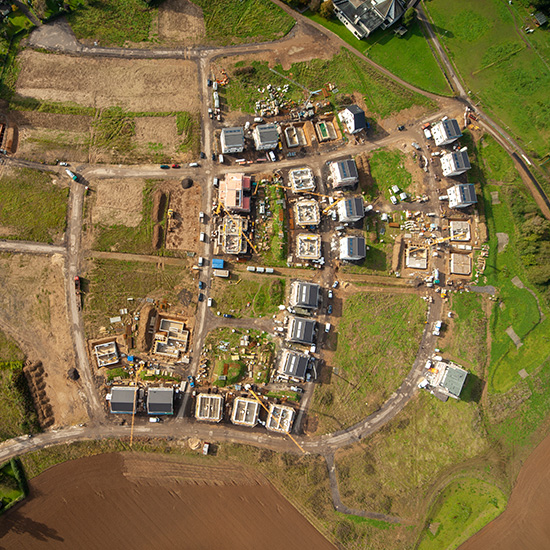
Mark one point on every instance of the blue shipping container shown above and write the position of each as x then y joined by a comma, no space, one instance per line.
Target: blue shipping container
217,263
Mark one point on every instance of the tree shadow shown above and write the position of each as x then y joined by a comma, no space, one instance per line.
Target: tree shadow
15,523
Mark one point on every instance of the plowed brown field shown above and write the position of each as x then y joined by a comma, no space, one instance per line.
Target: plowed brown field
121,501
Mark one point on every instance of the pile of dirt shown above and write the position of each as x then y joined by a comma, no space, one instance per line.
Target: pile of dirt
363,170
73,374
159,205
186,183
144,338
34,373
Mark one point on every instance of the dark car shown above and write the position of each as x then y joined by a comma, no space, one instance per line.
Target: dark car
201,297
165,167
329,309
191,381
213,156
202,285
208,82
203,155
401,128
176,166
228,315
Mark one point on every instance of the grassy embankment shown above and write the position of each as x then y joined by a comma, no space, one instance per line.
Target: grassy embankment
263,294
375,344
489,49
33,208
382,96
408,57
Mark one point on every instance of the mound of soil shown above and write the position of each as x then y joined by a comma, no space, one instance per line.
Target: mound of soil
186,183
363,169
144,339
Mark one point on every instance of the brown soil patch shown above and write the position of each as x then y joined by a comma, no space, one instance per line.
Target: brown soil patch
186,204
118,202
181,22
33,311
151,501
157,236
524,524
33,119
137,84
156,130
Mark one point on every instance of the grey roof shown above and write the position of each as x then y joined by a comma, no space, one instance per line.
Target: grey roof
359,120
122,399
451,127
347,169
302,330
160,401
352,208
368,15
295,365
541,18
454,380
356,247
233,137
308,295
461,160
467,193
267,133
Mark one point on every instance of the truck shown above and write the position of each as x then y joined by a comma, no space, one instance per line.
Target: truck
78,291
72,175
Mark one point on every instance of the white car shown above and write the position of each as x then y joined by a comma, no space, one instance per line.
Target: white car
395,189
393,199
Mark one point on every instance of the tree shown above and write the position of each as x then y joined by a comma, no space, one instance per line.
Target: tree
409,16
327,9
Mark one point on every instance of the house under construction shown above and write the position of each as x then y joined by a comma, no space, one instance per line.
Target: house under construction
308,247
245,412
302,180
171,338
231,235
209,407
106,354
280,418
306,213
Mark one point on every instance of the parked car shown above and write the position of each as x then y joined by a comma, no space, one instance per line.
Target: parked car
210,302
335,284
330,294
193,164
393,199
329,309
63,164
176,166
191,381
208,82
401,127
165,167
228,315
202,155
201,297
154,419
214,156
297,389
202,285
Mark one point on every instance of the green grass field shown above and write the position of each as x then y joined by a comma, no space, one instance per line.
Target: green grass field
364,376
235,22
462,509
408,57
508,77
393,470
33,208
13,484
387,169
263,295
17,414
271,234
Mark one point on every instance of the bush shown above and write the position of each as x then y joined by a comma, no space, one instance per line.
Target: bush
409,16
327,9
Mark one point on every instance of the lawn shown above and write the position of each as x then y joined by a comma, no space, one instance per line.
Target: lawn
393,470
263,294
271,235
33,208
239,21
109,284
17,414
463,508
13,484
94,20
349,74
508,77
387,169
364,376
408,57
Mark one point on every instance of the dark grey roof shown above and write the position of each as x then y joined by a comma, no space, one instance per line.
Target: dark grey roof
307,295
356,247
541,18
233,137
366,16
302,330
122,399
160,401
353,208
467,193
295,365
452,129
267,133
359,120
461,160
454,380
347,169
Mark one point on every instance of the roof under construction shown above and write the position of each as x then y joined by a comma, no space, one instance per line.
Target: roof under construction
308,246
306,212
302,180
280,418
209,407
245,412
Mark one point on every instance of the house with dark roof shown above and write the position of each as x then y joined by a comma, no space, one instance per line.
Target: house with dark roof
462,195
160,401
351,210
232,140
293,365
354,118
361,17
343,173
446,131
123,399
455,163
266,136
353,248
306,295
302,331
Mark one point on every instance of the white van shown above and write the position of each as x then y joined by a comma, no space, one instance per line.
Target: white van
201,261
210,302
203,237
327,327
193,164
272,156
154,419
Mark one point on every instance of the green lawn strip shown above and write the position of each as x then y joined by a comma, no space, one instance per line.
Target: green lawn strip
387,169
377,340
231,22
13,484
271,235
132,240
393,470
408,57
189,126
95,20
263,295
32,207
510,79
462,509
233,371
109,284
17,414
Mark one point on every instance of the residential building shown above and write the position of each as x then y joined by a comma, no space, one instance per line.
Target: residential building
353,117
363,17
123,399
446,131
245,412
462,195
302,180
352,248
209,407
266,136
306,213
308,246
160,401
455,163
302,331
232,140
446,379
231,235
280,418
343,173
306,295
351,210
233,191
293,365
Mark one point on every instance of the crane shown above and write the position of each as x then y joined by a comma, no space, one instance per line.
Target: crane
267,410
138,372
438,241
220,206
325,211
